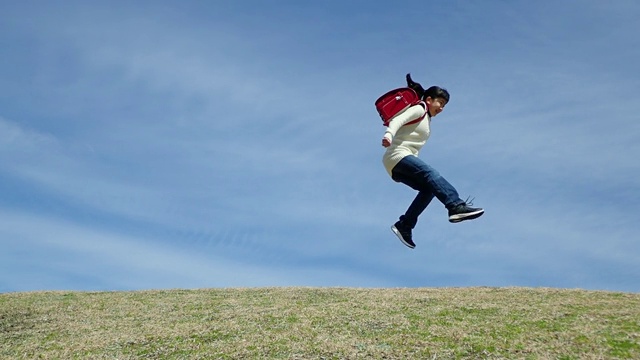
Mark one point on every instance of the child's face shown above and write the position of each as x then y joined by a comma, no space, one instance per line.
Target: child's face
435,105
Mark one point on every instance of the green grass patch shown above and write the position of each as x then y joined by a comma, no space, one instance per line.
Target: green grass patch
321,323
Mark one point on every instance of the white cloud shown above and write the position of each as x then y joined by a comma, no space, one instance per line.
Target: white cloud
109,260
205,133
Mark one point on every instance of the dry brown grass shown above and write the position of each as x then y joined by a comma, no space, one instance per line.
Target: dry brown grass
321,323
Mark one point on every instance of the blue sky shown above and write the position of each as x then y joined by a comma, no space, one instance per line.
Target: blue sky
200,144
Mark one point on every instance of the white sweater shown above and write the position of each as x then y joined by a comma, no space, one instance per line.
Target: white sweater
406,140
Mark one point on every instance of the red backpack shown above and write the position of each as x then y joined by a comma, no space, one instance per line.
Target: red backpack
398,100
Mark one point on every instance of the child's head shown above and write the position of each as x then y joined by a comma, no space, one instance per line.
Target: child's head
436,98
436,92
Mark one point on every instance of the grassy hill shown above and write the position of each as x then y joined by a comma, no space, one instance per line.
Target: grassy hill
321,323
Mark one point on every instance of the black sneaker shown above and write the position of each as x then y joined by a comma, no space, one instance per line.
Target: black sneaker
464,212
403,233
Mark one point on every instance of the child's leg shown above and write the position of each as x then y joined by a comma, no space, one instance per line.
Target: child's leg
418,175
422,200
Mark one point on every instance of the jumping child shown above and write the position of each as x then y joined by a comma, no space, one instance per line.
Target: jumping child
403,142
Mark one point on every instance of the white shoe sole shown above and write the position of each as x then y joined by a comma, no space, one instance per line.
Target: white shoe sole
466,216
395,231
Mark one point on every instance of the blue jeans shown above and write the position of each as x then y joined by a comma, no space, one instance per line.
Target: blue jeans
416,174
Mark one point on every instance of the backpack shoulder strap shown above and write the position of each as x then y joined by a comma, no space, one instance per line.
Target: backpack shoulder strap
426,111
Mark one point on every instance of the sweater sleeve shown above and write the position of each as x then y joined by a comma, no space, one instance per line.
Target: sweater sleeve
412,113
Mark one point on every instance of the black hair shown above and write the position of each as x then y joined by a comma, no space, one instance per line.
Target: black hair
415,86
436,92
432,92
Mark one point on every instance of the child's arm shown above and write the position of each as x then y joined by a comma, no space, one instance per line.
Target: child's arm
412,113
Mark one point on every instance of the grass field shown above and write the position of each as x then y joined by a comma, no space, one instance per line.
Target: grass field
321,323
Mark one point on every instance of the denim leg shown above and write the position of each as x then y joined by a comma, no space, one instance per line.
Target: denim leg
421,201
416,174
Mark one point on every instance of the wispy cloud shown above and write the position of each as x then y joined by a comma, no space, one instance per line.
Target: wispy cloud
197,148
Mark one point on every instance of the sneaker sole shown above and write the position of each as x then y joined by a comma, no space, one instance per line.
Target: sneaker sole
395,231
467,216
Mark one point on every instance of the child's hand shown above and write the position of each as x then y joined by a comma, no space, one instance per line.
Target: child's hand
386,142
